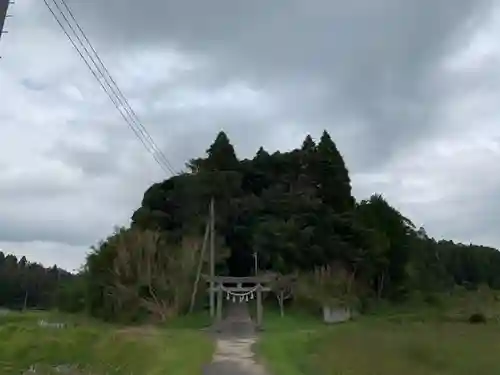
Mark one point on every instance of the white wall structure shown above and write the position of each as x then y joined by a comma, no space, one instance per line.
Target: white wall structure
336,314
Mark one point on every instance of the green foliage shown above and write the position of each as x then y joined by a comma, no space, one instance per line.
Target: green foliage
477,318
277,205
221,155
70,295
332,176
88,347
295,210
24,284
392,236
371,347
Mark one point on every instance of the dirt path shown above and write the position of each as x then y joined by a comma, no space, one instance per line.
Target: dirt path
233,353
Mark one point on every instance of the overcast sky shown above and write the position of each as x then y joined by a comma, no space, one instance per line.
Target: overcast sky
409,90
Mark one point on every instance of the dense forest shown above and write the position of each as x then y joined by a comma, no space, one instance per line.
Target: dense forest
295,210
26,285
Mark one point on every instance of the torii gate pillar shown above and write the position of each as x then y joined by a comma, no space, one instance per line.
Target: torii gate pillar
227,284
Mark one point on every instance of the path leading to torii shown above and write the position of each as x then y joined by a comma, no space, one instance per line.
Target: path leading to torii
234,345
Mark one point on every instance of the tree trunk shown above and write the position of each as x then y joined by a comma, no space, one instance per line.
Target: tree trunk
282,301
25,301
380,286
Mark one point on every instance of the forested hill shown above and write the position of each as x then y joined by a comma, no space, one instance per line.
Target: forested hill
296,210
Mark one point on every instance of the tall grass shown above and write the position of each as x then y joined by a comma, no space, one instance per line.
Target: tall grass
410,340
98,349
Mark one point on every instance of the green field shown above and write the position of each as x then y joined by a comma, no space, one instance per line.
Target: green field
393,341
93,348
410,344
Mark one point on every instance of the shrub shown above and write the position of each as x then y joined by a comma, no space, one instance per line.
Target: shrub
477,318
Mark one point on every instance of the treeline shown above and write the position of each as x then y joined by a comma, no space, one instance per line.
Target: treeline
28,285
295,210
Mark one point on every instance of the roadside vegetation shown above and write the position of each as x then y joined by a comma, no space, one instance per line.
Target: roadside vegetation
36,343
414,339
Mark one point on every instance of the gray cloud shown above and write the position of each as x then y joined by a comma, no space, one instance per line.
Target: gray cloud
374,64
376,74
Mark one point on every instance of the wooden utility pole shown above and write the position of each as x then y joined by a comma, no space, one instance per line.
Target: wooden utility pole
4,5
200,264
25,305
212,257
259,306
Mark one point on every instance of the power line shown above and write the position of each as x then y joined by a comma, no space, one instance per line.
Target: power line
111,89
107,88
119,102
120,93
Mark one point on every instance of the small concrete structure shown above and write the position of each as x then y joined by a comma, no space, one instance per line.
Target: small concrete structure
4,312
336,314
45,324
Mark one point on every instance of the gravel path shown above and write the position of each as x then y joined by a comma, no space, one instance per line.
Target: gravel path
234,354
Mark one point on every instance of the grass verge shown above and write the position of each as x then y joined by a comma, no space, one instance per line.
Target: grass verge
96,348
375,346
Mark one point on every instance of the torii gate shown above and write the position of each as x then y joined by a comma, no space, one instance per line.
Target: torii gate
218,284
239,293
